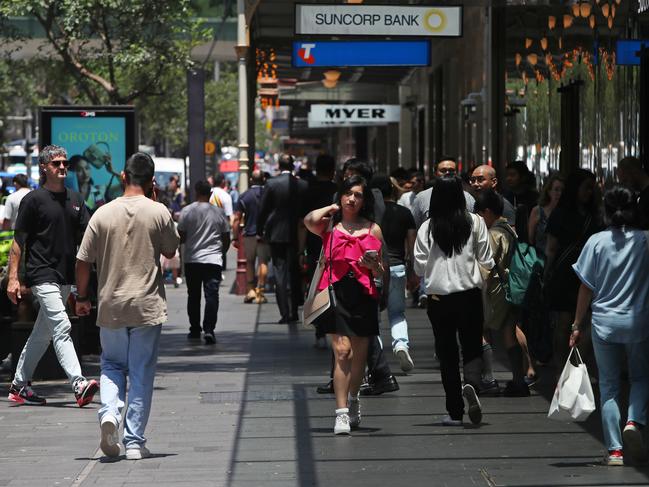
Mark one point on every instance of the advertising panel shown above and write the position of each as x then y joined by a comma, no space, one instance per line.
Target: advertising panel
378,20
627,51
333,54
352,115
98,141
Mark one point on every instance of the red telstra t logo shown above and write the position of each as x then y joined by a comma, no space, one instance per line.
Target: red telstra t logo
305,53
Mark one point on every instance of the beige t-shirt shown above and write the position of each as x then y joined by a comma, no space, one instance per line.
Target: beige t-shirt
125,238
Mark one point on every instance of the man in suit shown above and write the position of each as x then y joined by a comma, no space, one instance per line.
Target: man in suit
280,224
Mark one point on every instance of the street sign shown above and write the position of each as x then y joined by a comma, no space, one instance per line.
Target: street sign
352,115
626,51
332,54
378,20
210,148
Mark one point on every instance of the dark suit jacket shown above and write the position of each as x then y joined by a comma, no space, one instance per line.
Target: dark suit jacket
282,206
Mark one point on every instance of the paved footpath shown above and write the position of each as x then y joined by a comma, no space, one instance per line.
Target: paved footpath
245,413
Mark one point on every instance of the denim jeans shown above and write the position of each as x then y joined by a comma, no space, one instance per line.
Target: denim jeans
129,354
397,307
52,323
207,276
610,362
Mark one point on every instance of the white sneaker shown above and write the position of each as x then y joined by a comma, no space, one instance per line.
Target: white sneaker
354,413
109,443
448,421
475,408
137,453
405,361
342,426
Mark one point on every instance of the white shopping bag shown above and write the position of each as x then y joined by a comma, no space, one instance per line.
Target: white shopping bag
573,398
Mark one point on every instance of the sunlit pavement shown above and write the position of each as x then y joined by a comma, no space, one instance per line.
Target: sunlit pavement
245,412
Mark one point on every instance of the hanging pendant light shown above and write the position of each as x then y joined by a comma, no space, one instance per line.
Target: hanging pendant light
528,42
567,21
517,59
560,43
532,59
548,59
575,9
606,9
613,10
591,22
544,43
552,22
585,9
610,23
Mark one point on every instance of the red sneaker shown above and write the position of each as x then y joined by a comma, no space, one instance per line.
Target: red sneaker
25,395
614,458
85,390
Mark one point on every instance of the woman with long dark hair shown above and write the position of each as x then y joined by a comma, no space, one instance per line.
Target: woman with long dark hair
572,222
352,259
613,268
451,246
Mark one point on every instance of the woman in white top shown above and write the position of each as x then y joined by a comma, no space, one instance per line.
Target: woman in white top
451,245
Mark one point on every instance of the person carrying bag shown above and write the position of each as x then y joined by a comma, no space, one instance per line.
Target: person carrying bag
573,398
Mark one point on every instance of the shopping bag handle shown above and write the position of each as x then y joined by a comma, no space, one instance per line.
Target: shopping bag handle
575,349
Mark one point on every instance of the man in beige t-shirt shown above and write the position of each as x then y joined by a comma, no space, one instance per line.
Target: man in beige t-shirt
125,239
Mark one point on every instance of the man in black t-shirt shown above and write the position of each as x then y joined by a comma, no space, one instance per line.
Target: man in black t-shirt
632,175
48,228
399,232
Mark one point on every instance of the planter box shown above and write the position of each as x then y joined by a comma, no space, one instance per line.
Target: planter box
48,367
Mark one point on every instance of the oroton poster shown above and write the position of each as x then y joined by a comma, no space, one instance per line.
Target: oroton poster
96,150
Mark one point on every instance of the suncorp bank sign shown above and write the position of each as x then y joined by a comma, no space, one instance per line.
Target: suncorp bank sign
353,115
378,20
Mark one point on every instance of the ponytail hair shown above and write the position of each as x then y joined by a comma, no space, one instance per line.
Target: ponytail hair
620,205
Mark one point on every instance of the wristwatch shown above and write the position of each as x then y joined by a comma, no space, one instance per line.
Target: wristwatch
82,299
574,327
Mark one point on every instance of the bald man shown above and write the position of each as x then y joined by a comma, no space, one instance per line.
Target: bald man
631,174
484,177
446,166
247,210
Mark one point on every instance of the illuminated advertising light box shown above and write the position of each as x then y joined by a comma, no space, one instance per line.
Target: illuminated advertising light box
98,140
352,115
378,20
331,54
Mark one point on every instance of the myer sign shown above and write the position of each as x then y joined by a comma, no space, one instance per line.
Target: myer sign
353,115
378,20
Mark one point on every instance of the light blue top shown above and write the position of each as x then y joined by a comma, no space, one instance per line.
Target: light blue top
615,265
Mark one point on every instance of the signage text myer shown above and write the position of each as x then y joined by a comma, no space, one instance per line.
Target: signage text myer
378,20
347,115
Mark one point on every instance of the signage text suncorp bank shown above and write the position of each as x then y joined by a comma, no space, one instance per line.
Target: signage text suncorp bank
378,20
352,115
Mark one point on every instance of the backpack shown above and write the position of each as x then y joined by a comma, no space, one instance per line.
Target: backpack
524,265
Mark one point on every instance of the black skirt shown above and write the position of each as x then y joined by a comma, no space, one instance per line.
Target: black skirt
355,314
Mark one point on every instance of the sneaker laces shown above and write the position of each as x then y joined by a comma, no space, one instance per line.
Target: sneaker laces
79,386
343,418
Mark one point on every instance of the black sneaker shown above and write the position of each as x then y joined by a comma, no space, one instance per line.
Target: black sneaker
25,395
327,388
85,390
209,338
475,408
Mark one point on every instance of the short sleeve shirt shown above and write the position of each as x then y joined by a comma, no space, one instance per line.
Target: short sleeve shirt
248,204
397,220
125,239
614,264
49,226
12,204
222,199
203,224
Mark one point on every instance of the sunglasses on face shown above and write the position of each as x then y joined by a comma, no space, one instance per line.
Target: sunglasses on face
65,163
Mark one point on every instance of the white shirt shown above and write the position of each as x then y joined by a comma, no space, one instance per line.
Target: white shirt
222,199
407,199
446,275
13,203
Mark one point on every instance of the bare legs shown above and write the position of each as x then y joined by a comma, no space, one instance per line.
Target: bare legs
350,355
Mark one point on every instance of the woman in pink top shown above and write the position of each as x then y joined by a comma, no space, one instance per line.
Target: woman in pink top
352,259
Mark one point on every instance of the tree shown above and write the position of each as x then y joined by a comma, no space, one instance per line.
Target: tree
116,50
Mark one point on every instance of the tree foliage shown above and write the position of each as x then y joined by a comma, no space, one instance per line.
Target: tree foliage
116,50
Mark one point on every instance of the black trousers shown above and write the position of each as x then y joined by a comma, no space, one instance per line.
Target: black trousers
456,315
288,284
208,277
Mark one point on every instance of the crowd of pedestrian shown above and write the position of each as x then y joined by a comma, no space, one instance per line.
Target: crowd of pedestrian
454,244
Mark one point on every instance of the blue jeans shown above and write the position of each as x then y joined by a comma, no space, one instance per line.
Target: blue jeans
610,360
52,323
207,276
129,353
397,307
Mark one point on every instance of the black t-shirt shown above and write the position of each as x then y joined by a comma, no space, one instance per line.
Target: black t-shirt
397,220
321,194
643,208
49,227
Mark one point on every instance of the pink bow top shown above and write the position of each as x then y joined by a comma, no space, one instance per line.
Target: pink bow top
346,250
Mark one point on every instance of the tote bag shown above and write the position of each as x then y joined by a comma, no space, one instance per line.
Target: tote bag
573,398
318,303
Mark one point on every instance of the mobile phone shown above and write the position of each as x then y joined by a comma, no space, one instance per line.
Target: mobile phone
372,254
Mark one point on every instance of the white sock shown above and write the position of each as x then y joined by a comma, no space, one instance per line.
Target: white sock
340,411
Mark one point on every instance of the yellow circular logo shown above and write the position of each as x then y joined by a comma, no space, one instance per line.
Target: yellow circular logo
435,20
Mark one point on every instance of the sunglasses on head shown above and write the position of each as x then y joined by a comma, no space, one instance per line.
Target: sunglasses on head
65,163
